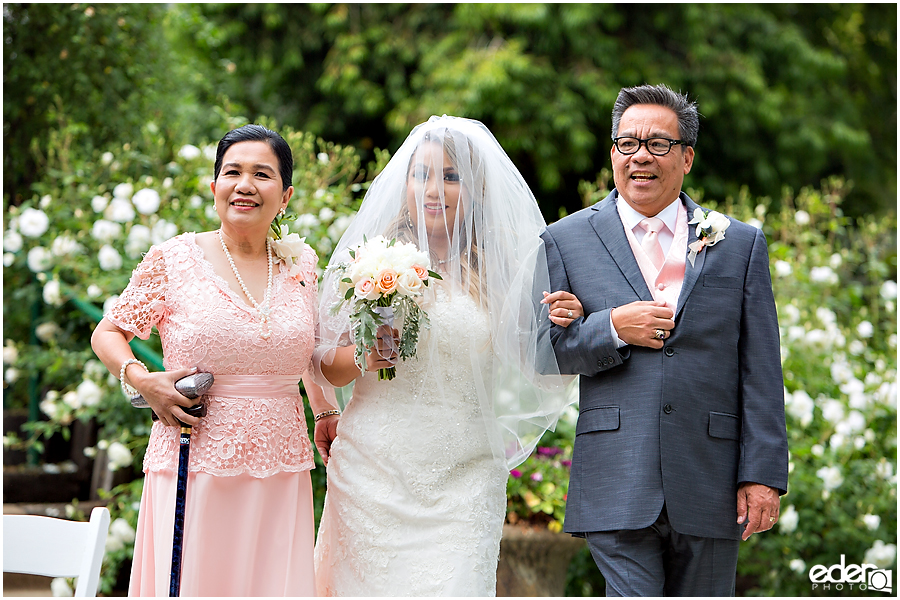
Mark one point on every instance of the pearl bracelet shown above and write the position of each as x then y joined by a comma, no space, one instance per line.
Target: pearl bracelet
129,390
326,413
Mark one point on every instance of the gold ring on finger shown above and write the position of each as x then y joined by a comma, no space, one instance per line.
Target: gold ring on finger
660,334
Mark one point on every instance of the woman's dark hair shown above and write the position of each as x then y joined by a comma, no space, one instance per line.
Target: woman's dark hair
258,133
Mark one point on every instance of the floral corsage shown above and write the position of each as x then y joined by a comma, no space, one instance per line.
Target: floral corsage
287,246
711,228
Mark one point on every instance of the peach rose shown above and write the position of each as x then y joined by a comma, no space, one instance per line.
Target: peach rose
421,272
386,282
365,288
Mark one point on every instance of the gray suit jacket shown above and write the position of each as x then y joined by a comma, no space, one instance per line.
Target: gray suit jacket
684,425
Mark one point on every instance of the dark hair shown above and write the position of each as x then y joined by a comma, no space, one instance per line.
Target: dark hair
258,133
662,95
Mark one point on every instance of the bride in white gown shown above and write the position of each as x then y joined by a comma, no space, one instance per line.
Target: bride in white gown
417,473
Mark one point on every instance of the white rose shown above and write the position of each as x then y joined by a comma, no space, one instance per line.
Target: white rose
326,214
39,259
787,522
856,348
210,212
801,217
33,222
783,268
52,294
8,259
138,241
881,555
12,241
189,152
872,521
46,331
833,411
114,544
888,289
59,588
94,369
823,275
109,258
798,565
64,245
209,152
105,231
146,201
109,303
305,222
120,210
10,353
123,190
94,291
831,477
122,530
800,406
89,393
167,183
162,231
409,284
826,316
835,261
195,201
49,406
119,456
865,329
289,246
72,400
99,203
11,375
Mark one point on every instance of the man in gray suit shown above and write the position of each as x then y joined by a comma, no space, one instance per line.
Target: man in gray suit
681,446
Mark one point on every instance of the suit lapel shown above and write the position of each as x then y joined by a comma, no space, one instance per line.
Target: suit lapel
606,222
691,274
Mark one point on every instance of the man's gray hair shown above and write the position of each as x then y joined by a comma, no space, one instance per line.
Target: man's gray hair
662,95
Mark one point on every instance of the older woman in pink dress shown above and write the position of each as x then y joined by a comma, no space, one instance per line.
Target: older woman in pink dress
223,302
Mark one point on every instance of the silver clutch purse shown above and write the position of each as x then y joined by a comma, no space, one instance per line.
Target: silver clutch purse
192,386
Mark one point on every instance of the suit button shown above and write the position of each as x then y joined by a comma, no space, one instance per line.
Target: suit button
670,351
667,408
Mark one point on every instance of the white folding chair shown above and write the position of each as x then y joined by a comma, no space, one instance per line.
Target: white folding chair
57,547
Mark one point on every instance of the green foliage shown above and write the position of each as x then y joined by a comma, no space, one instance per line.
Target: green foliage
789,93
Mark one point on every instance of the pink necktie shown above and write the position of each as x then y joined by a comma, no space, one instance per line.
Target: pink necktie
650,243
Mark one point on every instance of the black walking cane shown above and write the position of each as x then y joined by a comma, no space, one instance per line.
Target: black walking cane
192,386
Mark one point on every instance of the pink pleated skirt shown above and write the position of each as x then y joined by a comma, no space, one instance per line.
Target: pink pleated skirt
243,536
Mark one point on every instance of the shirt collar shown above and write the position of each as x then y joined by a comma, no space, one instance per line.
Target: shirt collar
631,217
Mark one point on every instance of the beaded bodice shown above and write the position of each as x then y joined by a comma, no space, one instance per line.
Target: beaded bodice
202,322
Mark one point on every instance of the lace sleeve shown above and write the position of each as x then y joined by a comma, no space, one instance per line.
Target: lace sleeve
143,303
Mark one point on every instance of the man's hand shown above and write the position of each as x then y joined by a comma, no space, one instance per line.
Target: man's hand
326,431
637,323
757,505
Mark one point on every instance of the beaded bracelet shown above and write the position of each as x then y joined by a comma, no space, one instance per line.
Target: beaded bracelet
129,390
326,413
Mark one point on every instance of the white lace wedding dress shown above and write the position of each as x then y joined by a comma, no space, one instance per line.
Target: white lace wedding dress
416,499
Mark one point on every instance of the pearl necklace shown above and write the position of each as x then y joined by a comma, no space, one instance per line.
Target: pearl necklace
265,330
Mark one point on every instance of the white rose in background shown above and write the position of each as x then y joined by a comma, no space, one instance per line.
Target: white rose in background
832,410
52,294
106,158
49,405
8,259
826,316
783,268
123,190
120,210
11,375
72,400
122,530
146,201
854,423
788,520
888,290
89,393
109,258
12,241
800,406
801,217
326,214
798,565
33,222
881,555
46,331
119,456
59,588
209,152
94,369
64,245
823,275
337,229
105,231
94,291
865,329
306,222
39,259
872,521
138,241
189,152
831,477
99,203
10,353
162,231
195,201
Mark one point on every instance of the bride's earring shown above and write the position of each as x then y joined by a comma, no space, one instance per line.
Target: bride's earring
409,222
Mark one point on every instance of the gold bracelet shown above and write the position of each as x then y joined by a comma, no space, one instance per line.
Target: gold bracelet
129,390
327,413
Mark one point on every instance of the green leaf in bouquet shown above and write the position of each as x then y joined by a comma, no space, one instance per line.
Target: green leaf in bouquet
434,275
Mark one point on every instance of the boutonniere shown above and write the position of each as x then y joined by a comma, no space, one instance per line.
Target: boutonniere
711,228
288,247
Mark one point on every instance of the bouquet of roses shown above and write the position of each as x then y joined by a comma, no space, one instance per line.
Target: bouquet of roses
383,281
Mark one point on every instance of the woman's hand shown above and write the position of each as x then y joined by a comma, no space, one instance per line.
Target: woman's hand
158,389
386,351
564,307
326,432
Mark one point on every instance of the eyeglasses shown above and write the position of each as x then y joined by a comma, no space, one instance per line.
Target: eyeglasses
657,146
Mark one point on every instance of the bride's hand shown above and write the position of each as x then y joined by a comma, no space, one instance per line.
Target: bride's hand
386,351
564,307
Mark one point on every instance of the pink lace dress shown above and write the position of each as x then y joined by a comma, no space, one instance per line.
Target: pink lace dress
249,516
